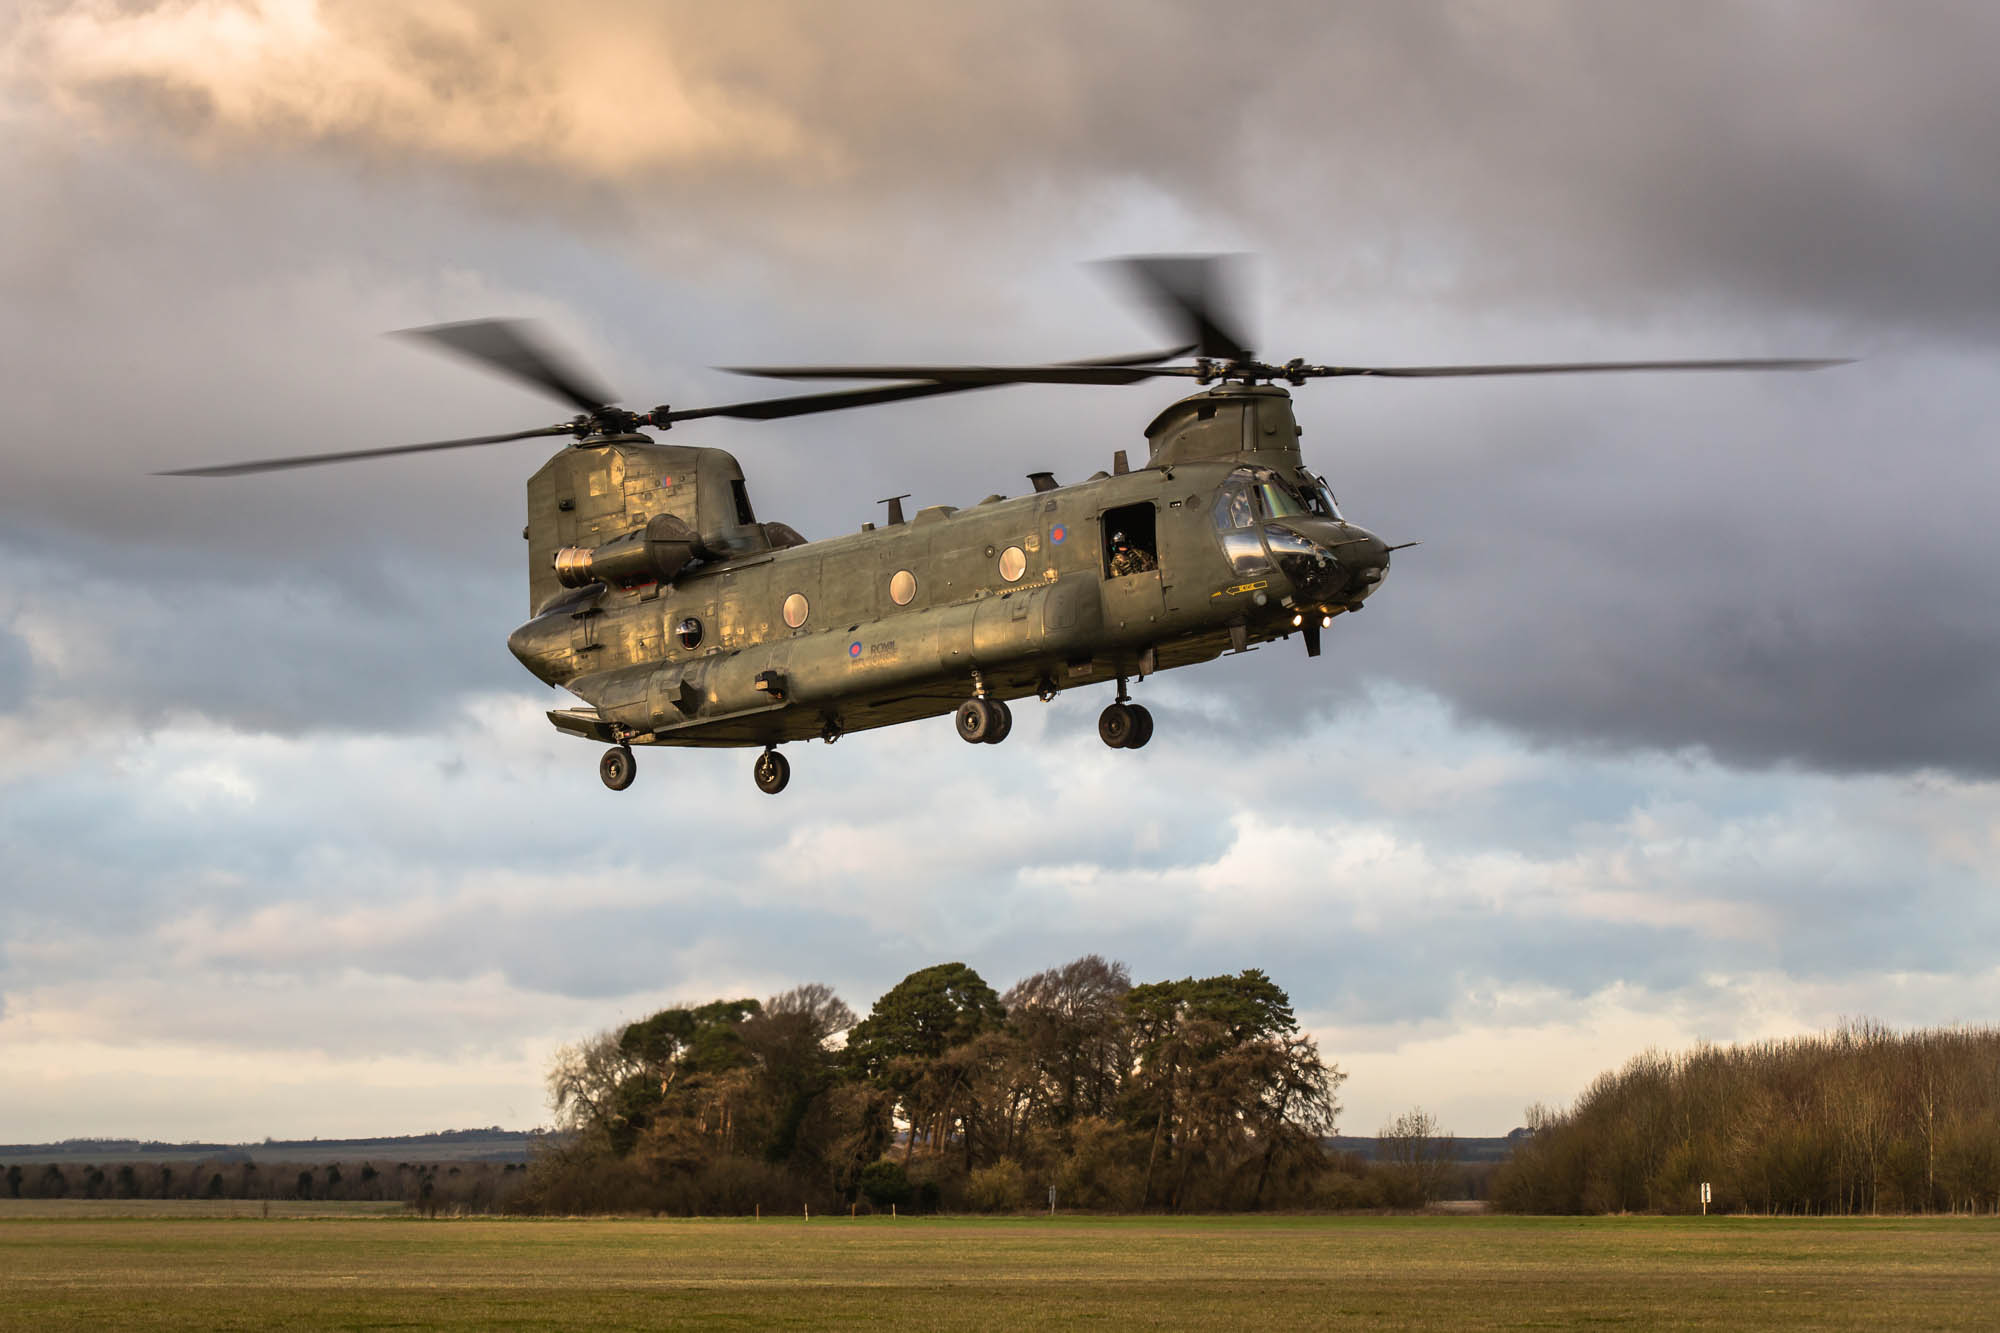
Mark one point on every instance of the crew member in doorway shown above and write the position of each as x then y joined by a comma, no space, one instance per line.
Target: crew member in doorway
1129,559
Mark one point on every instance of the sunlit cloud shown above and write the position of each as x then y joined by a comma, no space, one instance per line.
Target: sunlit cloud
476,83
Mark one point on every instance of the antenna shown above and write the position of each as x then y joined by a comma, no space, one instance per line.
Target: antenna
895,503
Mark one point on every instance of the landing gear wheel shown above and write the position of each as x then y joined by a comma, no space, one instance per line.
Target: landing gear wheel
772,772
977,720
1142,727
1116,725
1003,721
617,767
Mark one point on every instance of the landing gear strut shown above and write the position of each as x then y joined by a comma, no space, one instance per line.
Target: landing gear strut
772,772
617,767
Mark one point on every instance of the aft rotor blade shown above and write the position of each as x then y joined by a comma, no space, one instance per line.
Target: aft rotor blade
1200,293
351,455
1569,367
772,409
511,347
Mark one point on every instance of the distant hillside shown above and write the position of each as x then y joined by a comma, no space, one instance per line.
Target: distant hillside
1463,1150
467,1145
455,1145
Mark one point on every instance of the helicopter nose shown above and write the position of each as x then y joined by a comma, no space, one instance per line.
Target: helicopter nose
1366,557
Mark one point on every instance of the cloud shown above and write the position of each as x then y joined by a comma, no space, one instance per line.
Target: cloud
260,894
16,664
457,81
1828,158
1680,722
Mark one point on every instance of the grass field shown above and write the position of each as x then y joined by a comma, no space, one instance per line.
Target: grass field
1437,1272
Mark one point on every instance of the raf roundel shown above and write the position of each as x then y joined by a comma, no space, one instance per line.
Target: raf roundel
1057,534
854,649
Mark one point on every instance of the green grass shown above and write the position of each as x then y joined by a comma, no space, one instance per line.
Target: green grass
1436,1272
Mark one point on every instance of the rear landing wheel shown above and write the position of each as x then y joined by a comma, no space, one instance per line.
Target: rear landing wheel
772,772
617,767
1003,721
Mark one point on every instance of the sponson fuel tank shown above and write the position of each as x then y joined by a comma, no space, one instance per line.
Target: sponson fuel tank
652,554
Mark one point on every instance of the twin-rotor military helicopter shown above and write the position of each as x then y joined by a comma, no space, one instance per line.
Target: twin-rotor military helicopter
678,618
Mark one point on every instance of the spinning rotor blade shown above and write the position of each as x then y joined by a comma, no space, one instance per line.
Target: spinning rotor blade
764,409
314,460
1110,370
1198,293
968,376
772,409
1567,367
509,346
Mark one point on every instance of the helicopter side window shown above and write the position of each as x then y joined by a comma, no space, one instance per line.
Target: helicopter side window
1131,542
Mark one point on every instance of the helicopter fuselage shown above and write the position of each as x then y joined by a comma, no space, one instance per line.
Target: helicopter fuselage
1223,540
661,602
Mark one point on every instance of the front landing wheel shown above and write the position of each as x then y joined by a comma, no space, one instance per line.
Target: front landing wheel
1142,727
1116,725
977,720
772,772
617,767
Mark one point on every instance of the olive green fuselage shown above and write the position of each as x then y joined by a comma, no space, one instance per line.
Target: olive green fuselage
762,641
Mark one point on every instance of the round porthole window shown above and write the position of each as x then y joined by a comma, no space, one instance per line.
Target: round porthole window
796,610
903,587
1013,561
690,632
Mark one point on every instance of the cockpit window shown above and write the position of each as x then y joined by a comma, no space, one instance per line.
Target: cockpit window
1235,520
1319,498
1232,507
1278,500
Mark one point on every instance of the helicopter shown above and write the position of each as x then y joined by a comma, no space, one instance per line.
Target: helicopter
677,618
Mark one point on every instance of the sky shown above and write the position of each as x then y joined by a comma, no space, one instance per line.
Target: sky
1681,725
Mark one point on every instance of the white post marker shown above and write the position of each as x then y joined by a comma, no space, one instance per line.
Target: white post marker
1704,1198
1052,1201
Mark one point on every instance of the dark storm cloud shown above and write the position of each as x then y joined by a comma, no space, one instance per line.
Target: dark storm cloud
1837,158
1792,569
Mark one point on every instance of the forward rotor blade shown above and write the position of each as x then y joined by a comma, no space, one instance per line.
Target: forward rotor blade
968,376
1104,370
1200,293
772,409
315,460
1569,367
510,347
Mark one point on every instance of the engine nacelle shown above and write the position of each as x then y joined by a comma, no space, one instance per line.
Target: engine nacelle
654,553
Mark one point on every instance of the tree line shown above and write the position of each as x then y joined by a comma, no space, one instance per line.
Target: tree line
1858,1120
1201,1093
422,1186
